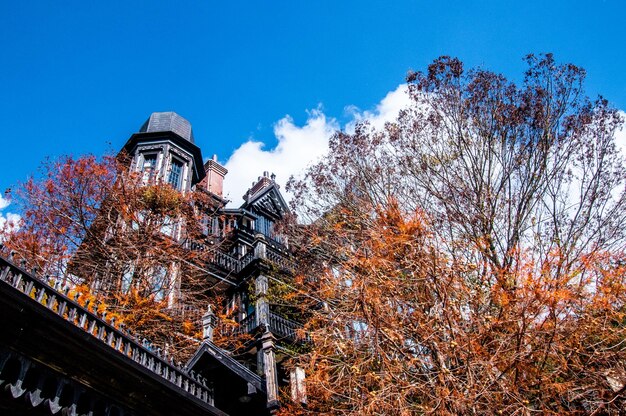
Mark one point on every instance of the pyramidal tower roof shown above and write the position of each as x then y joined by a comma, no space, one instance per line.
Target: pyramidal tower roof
168,121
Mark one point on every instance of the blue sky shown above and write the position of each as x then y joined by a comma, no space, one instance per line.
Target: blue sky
81,76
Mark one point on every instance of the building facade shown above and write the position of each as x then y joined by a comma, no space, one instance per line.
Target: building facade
249,256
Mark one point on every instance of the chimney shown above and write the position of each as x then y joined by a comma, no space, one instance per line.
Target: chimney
214,180
262,183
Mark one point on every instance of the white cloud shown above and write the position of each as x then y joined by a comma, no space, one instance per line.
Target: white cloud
387,110
12,218
300,146
4,202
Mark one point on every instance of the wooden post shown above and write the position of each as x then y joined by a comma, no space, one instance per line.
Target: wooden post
298,385
269,369
262,306
209,321
260,246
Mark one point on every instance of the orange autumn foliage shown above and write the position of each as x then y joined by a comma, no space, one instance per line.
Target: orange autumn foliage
469,257
119,242
400,327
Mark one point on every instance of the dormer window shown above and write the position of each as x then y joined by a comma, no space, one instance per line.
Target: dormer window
176,173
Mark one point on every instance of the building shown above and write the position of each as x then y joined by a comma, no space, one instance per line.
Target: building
58,355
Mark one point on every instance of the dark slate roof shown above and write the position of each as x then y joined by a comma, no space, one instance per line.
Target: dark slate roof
168,121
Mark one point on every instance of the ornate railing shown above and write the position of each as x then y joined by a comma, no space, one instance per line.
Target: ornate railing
245,260
248,324
245,326
274,253
56,298
280,259
284,327
225,261
215,257
186,311
276,257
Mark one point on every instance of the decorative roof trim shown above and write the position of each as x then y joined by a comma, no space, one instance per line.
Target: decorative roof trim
273,187
227,361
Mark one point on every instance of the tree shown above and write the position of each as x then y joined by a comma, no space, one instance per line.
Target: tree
133,246
468,258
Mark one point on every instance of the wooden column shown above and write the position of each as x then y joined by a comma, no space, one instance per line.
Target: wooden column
269,369
209,321
297,381
262,306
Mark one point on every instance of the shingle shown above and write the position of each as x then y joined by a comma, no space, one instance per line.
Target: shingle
168,121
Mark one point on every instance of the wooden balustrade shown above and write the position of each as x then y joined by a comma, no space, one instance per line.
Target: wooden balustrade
53,295
280,259
284,327
246,260
248,324
225,261
275,254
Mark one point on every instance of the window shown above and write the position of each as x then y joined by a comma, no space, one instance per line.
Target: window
176,173
148,167
204,224
159,283
210,225
168,227
215,226
264,226
136,222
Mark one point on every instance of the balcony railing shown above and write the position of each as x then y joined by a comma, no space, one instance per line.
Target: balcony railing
225,261
245,326
246,260
186,311
248,324
281,327
50,295
279,259
284,327
274,254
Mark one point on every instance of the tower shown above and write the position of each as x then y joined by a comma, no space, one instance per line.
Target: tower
241,251
164,151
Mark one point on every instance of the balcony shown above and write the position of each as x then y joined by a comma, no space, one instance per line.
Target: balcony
279,259
245,326
274,253
283,327
225,261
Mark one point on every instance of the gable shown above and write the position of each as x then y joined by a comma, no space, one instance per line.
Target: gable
269,202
